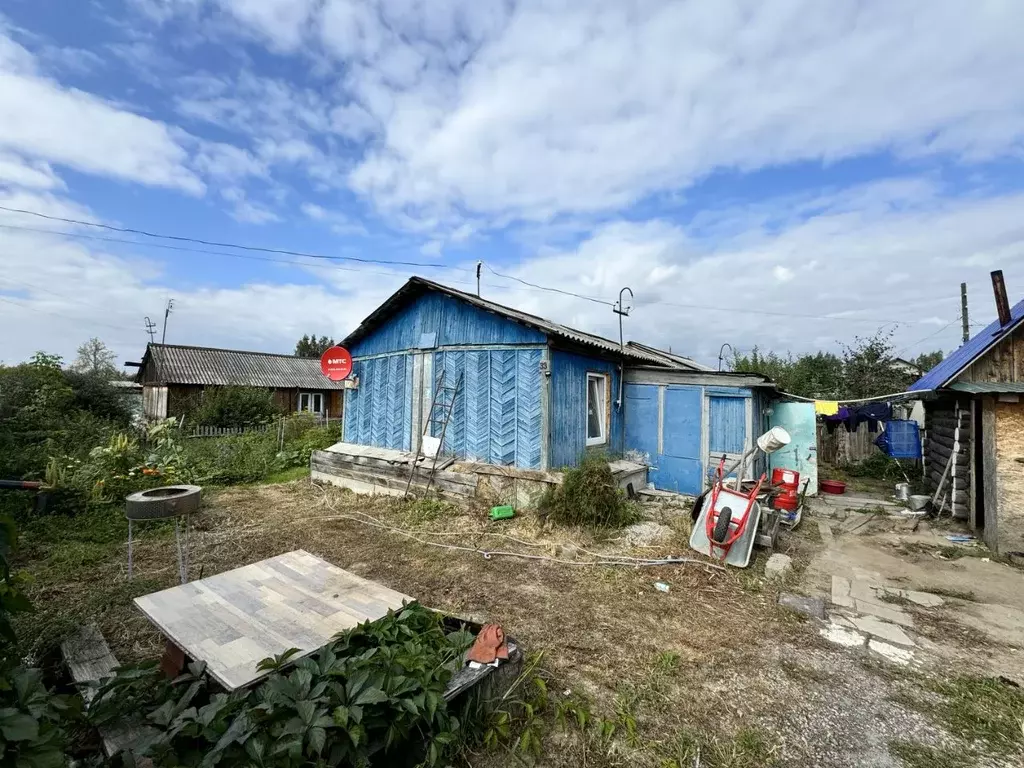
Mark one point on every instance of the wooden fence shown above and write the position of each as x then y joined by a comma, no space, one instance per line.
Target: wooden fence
226,431
842,447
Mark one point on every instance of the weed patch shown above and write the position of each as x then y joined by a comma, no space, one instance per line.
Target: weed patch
588,496
914,755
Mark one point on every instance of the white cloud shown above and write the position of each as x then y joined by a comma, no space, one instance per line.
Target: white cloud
245,210
782,274
18,172
338,222
540,108
43,120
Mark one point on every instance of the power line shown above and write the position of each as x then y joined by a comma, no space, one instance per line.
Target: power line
429,265
551,290
929,336
216,244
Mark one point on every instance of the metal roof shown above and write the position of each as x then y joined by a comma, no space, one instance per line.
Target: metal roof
416,285
175,364
670,357
987,387
954,365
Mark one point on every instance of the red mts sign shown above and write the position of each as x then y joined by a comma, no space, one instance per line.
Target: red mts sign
336,363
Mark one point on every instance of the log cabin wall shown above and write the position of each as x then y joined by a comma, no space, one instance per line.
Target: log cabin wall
1009,475
948,433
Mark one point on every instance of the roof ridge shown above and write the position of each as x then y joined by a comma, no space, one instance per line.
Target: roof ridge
233,351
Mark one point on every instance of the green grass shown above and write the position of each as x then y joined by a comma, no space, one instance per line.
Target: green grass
747,748
985,712
286,475
914,755
983,709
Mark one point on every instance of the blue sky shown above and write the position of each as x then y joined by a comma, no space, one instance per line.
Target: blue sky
785,174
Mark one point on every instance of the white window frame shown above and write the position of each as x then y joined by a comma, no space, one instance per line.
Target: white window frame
312,399
603,439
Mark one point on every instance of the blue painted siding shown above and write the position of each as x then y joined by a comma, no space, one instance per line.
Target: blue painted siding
680,466
569,407
454,322
728,428
380,412
497,416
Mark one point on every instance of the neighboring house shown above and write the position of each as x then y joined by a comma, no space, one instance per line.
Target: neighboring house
536,394
975,425
906,367
133,394
173,378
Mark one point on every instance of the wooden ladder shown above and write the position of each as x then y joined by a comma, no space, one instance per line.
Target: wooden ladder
441,406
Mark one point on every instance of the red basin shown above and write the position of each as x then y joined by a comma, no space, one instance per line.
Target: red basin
831,486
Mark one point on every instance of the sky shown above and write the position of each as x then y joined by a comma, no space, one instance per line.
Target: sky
782,173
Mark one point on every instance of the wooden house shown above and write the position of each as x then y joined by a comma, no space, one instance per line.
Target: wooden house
974,421
173,378
534,394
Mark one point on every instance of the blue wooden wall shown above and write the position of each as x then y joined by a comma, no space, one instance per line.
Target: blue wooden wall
678,466
379,413
569,407
454,322
496,417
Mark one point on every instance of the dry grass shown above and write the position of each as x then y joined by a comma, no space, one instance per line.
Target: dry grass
697,667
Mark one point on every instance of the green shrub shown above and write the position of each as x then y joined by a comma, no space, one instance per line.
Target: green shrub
882,467
234,407
234,459
372,697
588,495
297,452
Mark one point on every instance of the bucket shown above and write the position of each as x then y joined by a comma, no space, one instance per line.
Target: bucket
787,478
902,491
774,439
788,500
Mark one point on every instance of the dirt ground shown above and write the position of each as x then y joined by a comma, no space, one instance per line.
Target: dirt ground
710,673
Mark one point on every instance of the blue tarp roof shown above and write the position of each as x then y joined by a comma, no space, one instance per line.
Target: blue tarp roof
947,370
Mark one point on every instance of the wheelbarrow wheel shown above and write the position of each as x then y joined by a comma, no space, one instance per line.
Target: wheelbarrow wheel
721,533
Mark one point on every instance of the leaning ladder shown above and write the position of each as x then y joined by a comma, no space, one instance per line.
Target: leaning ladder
441,406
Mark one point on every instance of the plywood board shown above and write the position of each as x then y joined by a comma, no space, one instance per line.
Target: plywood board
236,618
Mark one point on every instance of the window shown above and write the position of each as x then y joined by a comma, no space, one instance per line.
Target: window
312,402
597,409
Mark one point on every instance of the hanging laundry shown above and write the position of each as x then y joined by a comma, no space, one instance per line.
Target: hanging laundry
872,413
826,407
831,422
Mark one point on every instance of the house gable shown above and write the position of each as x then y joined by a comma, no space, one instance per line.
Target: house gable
452,323
1003,363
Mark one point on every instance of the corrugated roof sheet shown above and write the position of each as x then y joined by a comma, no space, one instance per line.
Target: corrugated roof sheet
670,357
175,364
987,387
948,369
417,284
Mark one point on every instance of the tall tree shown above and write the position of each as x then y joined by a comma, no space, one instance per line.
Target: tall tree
95,358
928,360
311,346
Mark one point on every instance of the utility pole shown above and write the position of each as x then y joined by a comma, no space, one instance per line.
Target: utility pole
622,311
963,312
151,330
479,264
167,312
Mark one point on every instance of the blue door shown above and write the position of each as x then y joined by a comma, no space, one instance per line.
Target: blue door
727,429
664,423
681,465
802,452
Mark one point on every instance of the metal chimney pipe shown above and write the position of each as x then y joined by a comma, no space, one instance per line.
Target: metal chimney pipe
1002,303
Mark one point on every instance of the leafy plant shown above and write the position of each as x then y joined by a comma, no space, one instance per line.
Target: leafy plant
31,718
588,495
234,407
373,696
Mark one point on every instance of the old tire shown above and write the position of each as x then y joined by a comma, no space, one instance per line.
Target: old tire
721,533
169,501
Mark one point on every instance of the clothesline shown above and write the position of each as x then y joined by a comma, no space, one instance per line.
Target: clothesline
891,396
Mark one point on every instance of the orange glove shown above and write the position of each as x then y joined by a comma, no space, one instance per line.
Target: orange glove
489,645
